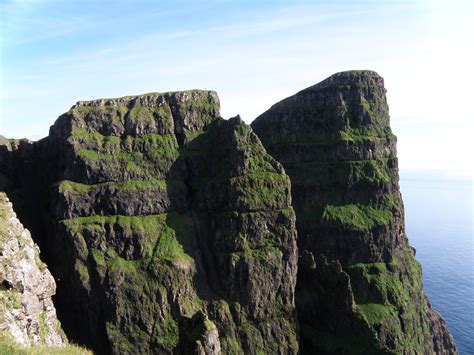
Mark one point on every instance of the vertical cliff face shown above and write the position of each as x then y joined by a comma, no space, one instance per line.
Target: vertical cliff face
171,230
27,313
359,285
167,228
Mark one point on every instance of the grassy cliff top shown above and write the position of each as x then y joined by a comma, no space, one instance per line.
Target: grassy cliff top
192,94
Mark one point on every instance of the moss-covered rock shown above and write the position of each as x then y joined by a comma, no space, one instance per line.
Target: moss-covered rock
169,228
335,142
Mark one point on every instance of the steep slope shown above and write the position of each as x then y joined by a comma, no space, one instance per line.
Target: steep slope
27,313
359,285
167,228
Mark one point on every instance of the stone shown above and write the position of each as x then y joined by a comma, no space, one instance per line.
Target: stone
27,312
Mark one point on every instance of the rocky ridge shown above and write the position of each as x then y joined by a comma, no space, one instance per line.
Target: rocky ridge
171,230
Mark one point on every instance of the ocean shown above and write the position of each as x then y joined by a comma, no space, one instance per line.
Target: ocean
439,218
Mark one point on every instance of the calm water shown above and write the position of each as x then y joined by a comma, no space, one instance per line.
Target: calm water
439,215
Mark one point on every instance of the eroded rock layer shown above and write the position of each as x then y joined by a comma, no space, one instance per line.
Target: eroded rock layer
359,285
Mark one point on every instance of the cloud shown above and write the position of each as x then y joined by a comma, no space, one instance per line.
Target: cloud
253,56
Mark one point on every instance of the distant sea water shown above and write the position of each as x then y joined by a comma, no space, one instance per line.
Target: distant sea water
439,218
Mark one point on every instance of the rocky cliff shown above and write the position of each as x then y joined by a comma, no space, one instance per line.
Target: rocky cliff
27,313
171,230
167,227
359,286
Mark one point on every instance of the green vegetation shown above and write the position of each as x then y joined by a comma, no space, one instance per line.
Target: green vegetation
41,265
43,325
376,313
108,114
168,333
358,135
344,174
142,114
261,190
98,257
117,337
358,217
10,347
5,214
192,135
83,271
162,234
201,104
137,154
362,342
68,186
9,299
95,139
389,295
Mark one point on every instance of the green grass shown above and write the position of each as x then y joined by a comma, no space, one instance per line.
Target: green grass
94,146
44,328
83,271
10,347
356,135
389,295
192,135
376,313
168,333
357,216
41,265
201,104
163,234
68,186
82,111
10,299
5,214
261,190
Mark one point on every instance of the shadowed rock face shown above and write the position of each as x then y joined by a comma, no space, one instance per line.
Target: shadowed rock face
168,228
171,230
359,285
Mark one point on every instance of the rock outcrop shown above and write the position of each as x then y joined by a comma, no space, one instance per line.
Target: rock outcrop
171,230
27,312
359,286
167,227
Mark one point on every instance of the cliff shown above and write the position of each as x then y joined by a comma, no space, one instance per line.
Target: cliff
171,230
27,313
168,228
359,286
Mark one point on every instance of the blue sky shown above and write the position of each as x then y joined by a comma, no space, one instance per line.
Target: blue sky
253,53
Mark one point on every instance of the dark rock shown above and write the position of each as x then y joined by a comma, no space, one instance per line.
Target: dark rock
335,142
171,230
161,219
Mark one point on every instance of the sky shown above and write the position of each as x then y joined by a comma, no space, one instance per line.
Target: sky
253,53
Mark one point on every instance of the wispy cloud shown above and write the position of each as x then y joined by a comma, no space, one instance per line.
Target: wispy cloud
253,56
